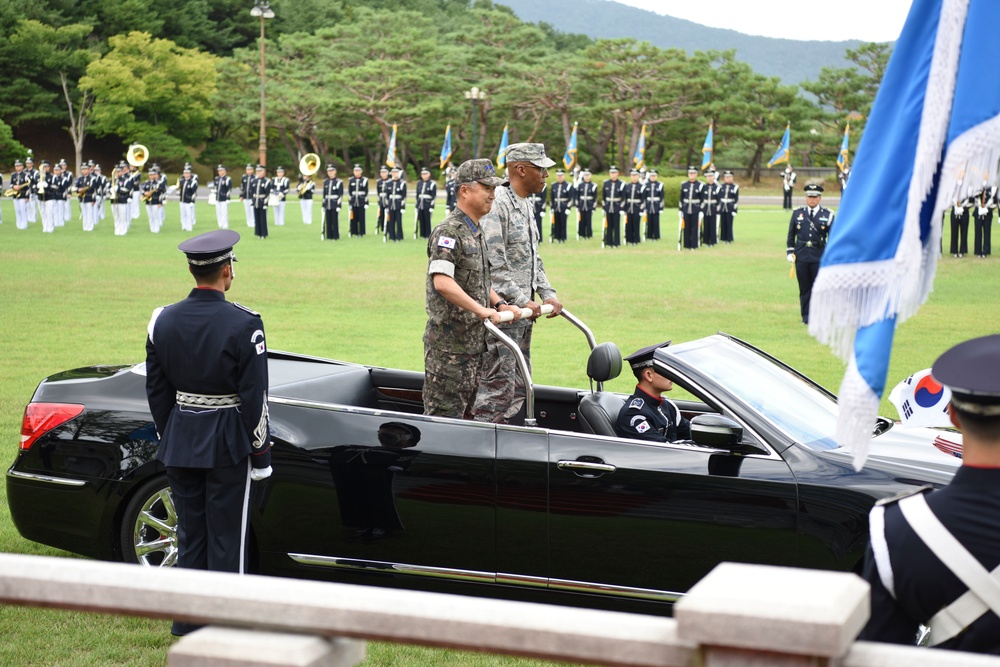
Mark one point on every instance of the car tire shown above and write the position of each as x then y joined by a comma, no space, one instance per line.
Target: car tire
148,534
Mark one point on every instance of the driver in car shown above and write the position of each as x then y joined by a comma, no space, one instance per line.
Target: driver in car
647,415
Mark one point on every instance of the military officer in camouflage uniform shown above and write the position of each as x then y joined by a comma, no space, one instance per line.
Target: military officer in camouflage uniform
518,276
459,297
647,415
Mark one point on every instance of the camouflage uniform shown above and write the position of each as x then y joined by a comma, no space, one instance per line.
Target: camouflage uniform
517,275
455,339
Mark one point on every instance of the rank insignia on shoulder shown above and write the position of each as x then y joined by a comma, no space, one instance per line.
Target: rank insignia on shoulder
446,242
905,494
636,403
249,310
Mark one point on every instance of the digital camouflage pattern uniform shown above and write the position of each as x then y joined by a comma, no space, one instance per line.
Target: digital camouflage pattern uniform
455,339
518,274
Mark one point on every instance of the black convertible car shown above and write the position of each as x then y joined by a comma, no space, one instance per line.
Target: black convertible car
368,490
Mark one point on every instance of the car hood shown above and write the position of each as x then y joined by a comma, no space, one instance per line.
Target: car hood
916,452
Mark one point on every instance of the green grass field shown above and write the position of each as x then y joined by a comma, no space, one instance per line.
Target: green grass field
73,299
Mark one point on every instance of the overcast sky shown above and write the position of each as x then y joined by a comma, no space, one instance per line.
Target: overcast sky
867,20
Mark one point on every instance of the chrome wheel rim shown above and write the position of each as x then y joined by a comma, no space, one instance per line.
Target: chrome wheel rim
154,537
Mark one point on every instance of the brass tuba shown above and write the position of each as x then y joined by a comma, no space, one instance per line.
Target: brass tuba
137,155
309,164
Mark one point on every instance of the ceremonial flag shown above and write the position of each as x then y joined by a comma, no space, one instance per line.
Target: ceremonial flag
781,155
569,159
707,150
639,159
502,153
842,158
935,123
446,148
390,156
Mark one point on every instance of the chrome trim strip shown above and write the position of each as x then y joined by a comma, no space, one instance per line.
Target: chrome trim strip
584,465
395,568
376,412
522,580
608,589
46,478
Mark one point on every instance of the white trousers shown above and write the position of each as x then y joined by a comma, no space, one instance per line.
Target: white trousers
100,209
21,212
187,216
122,213
48,216
89,214
248,211
67,212
155,214
222,214
134,204
279,214
32,216
307,210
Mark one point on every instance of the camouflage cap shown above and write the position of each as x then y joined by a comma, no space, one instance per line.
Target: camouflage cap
481,171
533,153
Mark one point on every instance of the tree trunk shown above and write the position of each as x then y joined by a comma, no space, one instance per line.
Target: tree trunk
77,119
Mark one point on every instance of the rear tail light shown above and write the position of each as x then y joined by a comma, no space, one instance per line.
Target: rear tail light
40,418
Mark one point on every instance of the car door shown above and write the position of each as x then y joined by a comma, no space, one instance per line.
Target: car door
648,520
370,490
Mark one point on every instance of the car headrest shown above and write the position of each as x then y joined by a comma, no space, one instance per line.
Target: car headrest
605,363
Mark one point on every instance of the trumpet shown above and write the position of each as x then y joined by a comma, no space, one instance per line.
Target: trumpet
81,193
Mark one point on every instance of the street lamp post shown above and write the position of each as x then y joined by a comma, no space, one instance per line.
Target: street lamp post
263,10
475,95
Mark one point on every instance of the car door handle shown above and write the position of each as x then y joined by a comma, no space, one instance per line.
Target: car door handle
586,466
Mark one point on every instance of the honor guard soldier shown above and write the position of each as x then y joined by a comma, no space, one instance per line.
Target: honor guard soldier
961,205
634,205
647,415
807,234
280,185
933,555
357,192
395,195
47,195
20,183
426,197
65,186
207,384
86,189
187,191
586,203
383,202
562,198
711,192
787,186
654,205
451,189
537,200
843,177
690,210
33,209
306,189
260,193
729,206
333,195
154,192
121,200
223,187
983,212
246,196
612,201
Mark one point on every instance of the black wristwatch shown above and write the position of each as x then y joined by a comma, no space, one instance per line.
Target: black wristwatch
499,303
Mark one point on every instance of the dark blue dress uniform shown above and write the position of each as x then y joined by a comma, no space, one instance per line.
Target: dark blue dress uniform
635,206
357,193
260,189
426,198
537,200
913,562
689,206
207,383
223,188
808,231
395,195
333,195
985,202
612,200
383,203
562,197
711,194
654,205
451,192
648,417
960,208
729,206
586,203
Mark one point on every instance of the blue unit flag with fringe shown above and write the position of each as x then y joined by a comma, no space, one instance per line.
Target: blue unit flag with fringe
569,158
783,152
502,153
639,159
446,147
934,127
707,150
844,150
390,156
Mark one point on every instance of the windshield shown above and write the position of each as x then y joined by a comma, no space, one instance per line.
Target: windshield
804,413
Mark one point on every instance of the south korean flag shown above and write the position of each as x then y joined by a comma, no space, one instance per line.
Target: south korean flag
922,401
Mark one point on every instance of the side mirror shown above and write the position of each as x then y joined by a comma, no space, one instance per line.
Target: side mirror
716,431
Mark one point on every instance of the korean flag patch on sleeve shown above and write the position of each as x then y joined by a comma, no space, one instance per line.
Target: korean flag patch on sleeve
639,424
446,242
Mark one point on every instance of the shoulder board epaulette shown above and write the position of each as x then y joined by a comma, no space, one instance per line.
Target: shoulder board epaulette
904,494
636,404
249,310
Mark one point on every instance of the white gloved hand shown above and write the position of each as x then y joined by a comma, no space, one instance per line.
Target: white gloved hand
790,257
257,474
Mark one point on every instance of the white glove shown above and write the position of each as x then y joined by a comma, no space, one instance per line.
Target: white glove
366,205
790,257
257,474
